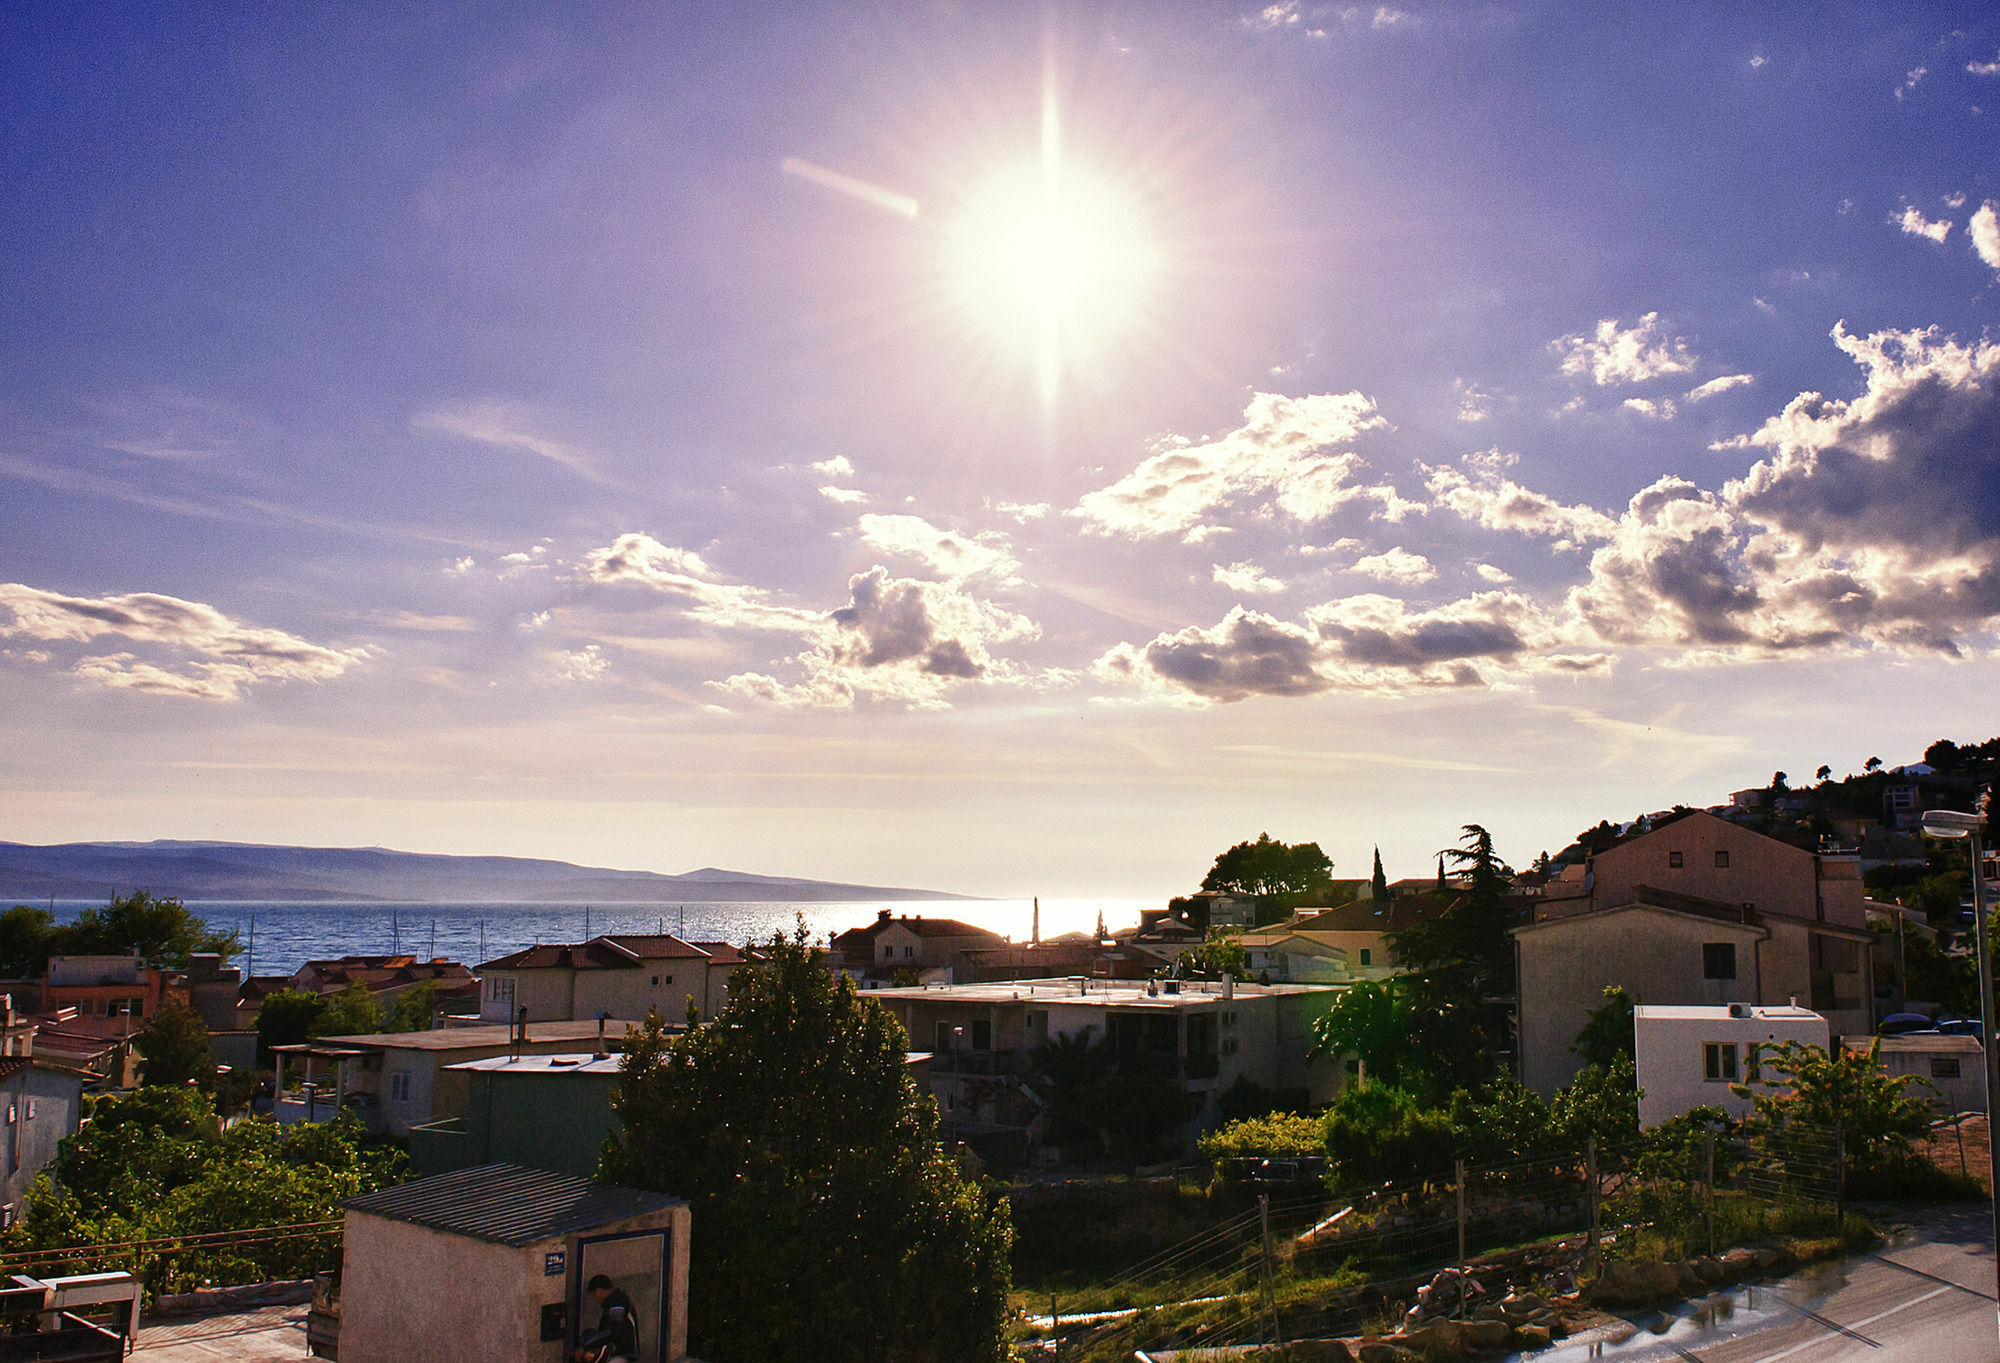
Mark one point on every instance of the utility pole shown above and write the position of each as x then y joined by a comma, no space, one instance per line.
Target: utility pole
1270,1298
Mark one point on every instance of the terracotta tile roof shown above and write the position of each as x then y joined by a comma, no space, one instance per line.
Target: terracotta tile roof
622,952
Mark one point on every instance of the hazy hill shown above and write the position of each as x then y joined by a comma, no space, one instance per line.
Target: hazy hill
231,870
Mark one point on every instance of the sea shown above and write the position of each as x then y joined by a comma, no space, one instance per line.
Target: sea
276,937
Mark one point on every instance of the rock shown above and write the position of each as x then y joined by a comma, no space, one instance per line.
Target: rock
1491,1310
1382,1351
1739,1263
1557,1327
1413,1317
1522,1304
1766,1258
1446,1339
1533,1337
1320,1351
1687,1282
1487,1334
1709,1270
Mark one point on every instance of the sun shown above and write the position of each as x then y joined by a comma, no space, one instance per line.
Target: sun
1044,258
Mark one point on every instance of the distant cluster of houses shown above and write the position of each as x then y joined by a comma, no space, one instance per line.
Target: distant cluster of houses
1728,939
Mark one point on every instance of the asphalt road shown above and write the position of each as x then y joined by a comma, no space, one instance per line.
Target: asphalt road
1927,1296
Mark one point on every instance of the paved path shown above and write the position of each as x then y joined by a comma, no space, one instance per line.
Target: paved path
264,1335
1925,1297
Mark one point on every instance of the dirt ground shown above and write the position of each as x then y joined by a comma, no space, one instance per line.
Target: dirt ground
1964,1146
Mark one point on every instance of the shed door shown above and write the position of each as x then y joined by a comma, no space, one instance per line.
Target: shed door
636,1261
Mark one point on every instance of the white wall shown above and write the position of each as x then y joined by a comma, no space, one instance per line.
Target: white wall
1672,1064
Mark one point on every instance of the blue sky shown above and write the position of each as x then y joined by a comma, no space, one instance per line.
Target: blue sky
457,429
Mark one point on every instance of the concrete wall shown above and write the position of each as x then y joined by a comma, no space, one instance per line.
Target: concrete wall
1774,876
560,995
28,1142
1656,955
1672,1065
1916,1056
409,1292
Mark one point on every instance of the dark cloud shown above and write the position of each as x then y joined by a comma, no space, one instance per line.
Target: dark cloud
1248,654
1422,642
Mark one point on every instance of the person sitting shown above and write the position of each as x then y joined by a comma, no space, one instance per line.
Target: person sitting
616,1338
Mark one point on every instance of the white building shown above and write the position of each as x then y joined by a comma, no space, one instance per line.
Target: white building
1690,1055
1953,1066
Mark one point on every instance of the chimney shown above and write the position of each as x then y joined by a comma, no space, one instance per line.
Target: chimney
600,1053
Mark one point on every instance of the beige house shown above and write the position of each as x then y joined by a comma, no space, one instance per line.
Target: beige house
625,976
394,1080
1341,944
1952,1068
932,947
1699,911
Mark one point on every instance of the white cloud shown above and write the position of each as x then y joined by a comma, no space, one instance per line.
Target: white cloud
230,656
1386,17
1397,565
459,567
1473,403
1984,229
1758,61
1247,577
1284,14
682,576
1611,354
1955,199
1704,391
1915,224
1281,453
587,664
840,466
1483,493
1911,80
508,426
846,496
1020,512
947,553
1625,354
1764,306
1492,574
1662,410
1979,68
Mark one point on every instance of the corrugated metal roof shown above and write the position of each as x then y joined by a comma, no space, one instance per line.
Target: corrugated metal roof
508,1204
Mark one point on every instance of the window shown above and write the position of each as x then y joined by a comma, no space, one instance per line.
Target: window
399,1086
1944,1067
1675,859
1718,960
982,1036
31,1105
1722,861
909,952
1753,1062
503,989
1718,1060
656,981
1367,956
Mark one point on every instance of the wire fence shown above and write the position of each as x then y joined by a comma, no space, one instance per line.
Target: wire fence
185,1262
1316,1265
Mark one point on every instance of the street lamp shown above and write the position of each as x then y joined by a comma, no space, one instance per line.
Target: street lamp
1950,823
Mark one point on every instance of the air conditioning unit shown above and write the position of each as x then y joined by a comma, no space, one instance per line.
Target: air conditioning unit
1741,1010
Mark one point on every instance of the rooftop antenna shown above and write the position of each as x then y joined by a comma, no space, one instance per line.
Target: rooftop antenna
1036,938
395,934
434,939
250,963
684,922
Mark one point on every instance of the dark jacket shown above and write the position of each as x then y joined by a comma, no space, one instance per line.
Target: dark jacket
617,1326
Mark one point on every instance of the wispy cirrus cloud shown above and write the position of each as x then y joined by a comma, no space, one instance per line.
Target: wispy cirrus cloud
1610,354
228,656
1701,392
1481,491
506,425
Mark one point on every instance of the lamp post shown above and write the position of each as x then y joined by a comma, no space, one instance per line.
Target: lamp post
1950,823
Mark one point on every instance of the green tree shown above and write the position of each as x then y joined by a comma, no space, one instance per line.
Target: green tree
27,940
1608,1032
837,1227
1460,974
1383,1134
175,1043
351,1012
1378,882
1371,1022
413,1009
1879,1116
160,930
1267,869
289,1017
1278,1135
1220,954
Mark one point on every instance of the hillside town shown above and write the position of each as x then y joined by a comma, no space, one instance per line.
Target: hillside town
1276,1030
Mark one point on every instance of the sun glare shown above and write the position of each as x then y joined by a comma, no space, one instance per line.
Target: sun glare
1052,262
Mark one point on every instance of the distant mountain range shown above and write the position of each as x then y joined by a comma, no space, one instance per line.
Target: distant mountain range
250,871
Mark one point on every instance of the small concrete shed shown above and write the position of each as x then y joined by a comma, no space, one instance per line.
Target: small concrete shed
491,1262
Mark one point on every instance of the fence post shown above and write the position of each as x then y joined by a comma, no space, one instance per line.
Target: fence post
1590,1172
1839,1171
1270,1298
1461,1220
1708,1151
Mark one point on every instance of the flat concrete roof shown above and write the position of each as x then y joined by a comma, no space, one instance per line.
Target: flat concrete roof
584,1063
1916,1041
497,1034
1778,1012
1101,993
